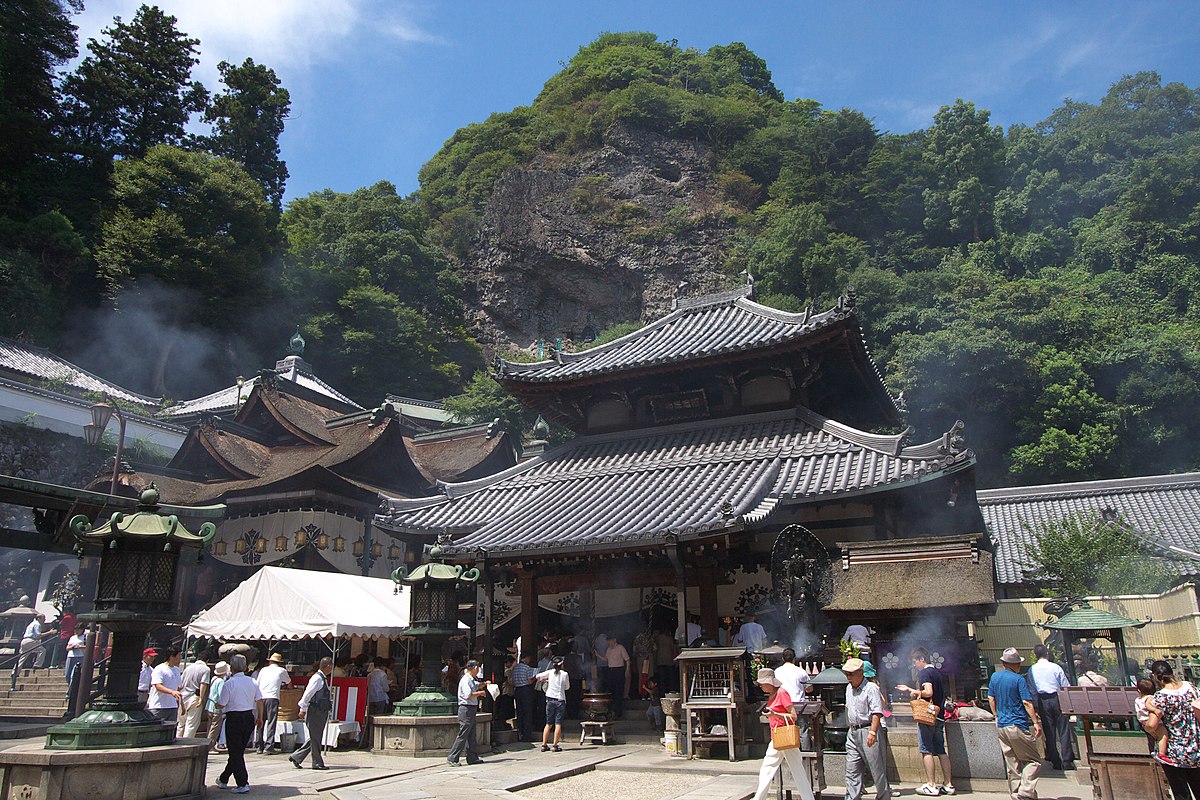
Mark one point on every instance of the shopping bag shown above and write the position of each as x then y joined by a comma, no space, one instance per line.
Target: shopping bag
786,737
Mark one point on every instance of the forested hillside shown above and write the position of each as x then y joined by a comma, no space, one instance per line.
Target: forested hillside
1039,283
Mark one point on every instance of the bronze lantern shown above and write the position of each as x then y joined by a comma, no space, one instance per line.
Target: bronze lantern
135,592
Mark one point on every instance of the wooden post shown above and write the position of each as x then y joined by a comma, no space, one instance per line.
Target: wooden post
709,619
529,612
675,555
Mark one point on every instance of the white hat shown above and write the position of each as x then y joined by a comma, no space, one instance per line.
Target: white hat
222,668
1011,656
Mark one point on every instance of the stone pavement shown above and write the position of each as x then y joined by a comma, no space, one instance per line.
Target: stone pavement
638,770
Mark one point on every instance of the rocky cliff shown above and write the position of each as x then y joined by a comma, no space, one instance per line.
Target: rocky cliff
570,247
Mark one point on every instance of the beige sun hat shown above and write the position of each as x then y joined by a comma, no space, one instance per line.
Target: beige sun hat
276,658
767,675
221,669
853,665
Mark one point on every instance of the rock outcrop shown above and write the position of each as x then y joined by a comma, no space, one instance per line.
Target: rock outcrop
569,248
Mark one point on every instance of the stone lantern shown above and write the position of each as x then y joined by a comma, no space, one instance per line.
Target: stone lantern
139,556
432,621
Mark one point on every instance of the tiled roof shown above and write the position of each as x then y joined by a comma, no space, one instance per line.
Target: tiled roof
616,489
697,328
1087,618
226,399
39,363
1164,510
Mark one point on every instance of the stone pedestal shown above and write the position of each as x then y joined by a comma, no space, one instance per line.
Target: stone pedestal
174,772
424,737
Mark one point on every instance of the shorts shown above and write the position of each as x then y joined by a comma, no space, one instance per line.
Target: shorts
556,710
932,738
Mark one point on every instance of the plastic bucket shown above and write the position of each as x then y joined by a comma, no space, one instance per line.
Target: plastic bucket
673,741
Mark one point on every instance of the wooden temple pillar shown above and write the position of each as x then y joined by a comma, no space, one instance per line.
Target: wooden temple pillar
529,611
710,618
675,556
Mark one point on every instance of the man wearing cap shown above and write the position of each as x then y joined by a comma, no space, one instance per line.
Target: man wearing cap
193,688
470,691
148,656
864,716
270,679
1017,725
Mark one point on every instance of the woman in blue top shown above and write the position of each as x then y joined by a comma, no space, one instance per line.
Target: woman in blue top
216,716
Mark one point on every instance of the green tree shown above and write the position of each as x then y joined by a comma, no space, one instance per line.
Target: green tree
1086,554
134,90
248,119
483,400
36,37
379,303
194,221
965,155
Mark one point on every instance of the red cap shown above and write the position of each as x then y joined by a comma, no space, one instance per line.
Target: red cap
149,651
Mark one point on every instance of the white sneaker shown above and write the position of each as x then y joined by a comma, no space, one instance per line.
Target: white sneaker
240,789
222,784
929,790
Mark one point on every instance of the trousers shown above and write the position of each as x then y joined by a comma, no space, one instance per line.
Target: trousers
874,758
466,735
239,727
188,723
1057,728
314,722
773,761
1022,761
215,720
525,702
1184,782
266,737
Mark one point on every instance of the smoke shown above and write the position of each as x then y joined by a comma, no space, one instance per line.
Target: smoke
144,344
936,632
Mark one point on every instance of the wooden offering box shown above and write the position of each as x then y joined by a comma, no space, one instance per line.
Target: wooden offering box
714,683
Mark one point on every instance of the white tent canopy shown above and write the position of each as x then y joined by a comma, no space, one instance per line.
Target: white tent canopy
280,603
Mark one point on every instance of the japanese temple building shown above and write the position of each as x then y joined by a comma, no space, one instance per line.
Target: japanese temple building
302,471
702,440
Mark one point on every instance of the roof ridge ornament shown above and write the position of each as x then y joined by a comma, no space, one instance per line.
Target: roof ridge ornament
953,440
678,294
749,282
296,344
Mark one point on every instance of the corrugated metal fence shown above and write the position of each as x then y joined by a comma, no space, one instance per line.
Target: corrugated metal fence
1175,627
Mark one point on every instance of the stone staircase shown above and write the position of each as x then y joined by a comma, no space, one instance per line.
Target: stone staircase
41,695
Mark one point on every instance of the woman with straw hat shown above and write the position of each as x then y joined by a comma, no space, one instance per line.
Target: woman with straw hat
780,712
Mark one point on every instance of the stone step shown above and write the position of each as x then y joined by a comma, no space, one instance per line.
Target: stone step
40,694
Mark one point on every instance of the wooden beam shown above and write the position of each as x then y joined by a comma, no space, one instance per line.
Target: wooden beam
616,577
529,612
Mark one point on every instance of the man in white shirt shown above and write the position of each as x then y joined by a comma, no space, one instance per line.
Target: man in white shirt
240,696
315,706
751,635
193,688
31,646
470,691
792,677
692,631
148,656
270,679
163,702
1048,678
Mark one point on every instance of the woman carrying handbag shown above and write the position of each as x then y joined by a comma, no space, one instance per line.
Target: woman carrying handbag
785,739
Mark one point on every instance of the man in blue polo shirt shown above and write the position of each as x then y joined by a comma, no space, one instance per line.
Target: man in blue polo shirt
1017,724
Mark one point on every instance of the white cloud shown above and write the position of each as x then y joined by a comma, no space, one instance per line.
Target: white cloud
289,36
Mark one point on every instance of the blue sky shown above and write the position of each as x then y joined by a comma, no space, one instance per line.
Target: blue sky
378,85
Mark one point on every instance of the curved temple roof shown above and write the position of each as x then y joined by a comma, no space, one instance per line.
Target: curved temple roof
620,489
697,328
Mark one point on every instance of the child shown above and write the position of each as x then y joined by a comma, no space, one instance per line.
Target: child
654,711
1146,689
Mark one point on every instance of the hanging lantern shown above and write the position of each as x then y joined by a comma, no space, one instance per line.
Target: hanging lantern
339,544
281,543
239,546
301,538
376,550
260,545
360,547
393,553
322,541
220,548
